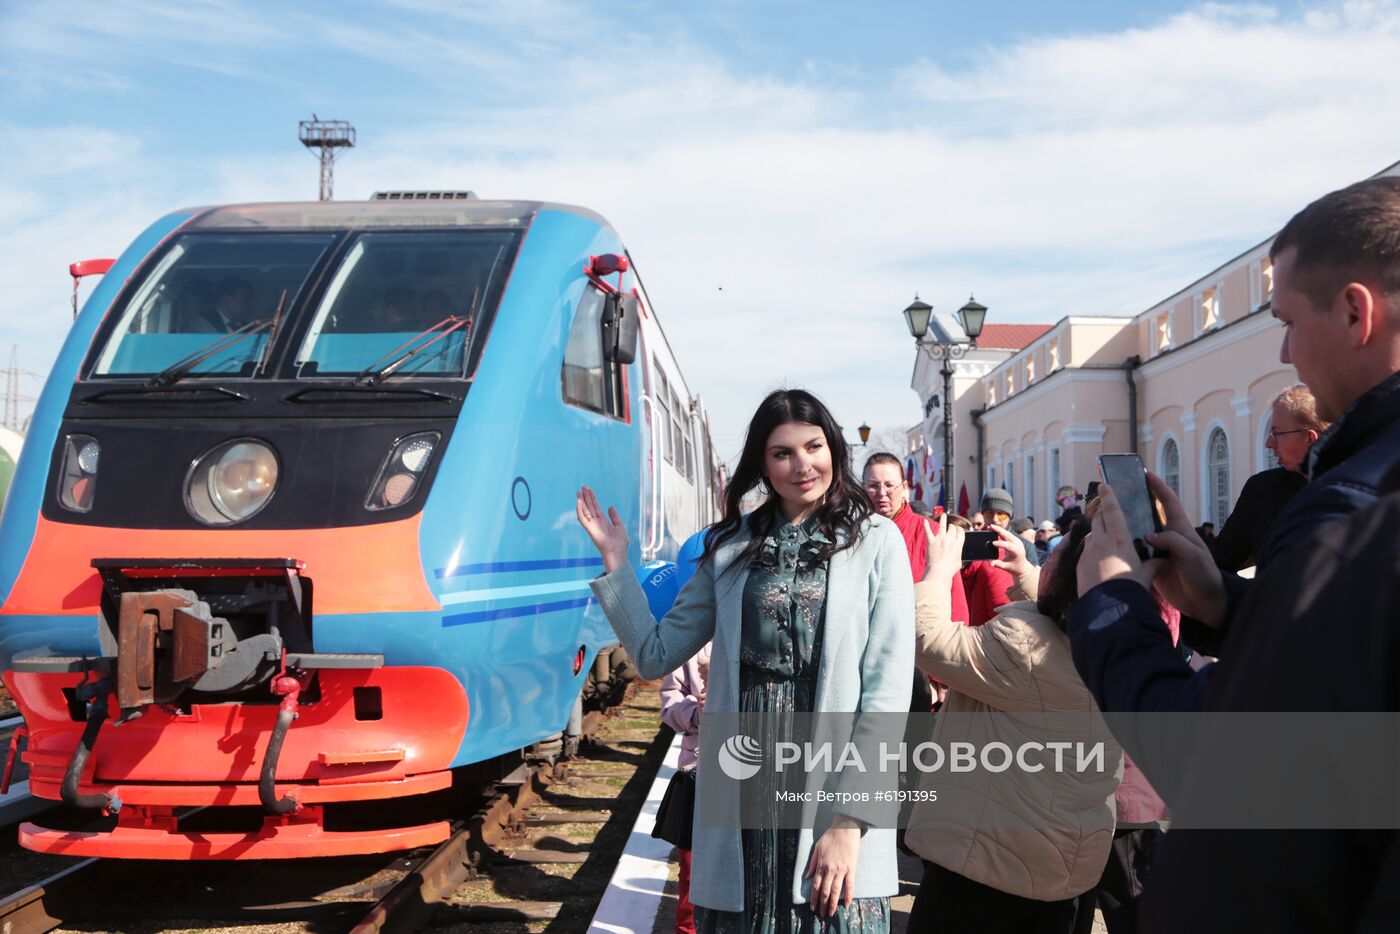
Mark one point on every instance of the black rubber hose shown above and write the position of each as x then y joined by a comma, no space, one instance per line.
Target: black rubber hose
96,716
267,790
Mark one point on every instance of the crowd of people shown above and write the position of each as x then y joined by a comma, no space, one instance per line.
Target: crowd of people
835,591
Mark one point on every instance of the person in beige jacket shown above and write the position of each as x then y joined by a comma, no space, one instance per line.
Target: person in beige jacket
1009,851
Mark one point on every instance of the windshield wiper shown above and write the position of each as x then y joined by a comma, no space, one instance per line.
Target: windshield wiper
182,367
271,334
373,375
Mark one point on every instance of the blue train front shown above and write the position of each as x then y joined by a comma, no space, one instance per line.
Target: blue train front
294,522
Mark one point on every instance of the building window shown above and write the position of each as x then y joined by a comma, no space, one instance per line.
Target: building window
1163,341
1171,465
1217,477
1266,455
589,381
1030,485
1210,309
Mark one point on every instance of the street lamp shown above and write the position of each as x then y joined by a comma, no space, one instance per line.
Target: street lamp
946,349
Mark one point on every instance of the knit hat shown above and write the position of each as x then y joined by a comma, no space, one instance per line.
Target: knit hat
997,500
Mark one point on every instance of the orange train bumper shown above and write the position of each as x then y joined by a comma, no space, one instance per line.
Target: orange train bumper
212,755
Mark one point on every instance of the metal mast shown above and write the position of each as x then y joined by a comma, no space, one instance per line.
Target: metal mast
328,137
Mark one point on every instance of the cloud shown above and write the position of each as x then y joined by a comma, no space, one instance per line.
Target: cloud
782,221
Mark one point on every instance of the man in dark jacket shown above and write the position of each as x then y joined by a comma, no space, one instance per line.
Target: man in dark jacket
1337,290
1294,428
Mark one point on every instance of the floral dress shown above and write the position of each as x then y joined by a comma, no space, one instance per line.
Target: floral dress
780,647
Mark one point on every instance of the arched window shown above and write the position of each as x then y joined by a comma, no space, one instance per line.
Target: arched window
1171,465
1218,476
1266,455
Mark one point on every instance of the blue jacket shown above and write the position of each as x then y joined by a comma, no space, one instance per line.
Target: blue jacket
866,664
1120,644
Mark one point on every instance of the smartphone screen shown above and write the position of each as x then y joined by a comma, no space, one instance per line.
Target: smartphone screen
980,546
1125,473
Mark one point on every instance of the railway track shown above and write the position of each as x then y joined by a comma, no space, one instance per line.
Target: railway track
535,854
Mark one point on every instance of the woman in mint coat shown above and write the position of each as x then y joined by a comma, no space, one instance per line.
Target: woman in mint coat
809,602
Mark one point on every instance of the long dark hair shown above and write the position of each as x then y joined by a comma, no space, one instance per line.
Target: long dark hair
840,514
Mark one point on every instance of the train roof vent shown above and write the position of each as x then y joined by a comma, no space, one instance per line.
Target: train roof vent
423,196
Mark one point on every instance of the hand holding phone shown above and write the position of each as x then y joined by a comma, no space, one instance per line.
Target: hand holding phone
1128,478
980,546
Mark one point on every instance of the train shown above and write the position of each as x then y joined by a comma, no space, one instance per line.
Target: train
293,531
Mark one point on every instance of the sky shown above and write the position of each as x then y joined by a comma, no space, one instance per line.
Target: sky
785,174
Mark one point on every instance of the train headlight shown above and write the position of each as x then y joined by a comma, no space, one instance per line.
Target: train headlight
78,481
402,471
232,482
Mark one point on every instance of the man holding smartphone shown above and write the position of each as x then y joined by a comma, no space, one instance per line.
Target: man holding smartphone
1337,292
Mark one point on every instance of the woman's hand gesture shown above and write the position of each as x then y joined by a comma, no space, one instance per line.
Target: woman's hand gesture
608,533
832,867
944,550
1013,551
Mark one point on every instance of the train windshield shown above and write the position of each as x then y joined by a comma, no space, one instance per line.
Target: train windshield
407,303
210,303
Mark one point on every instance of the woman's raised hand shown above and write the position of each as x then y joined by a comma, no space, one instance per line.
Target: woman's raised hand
608,533
944,550
1013,549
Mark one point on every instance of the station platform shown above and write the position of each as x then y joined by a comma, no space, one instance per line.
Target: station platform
641,896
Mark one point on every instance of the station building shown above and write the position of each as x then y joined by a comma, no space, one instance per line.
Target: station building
1187,384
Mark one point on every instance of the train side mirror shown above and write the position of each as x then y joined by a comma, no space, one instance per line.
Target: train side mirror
83,268
621,318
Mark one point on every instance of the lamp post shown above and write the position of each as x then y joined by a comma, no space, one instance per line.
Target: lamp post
946,349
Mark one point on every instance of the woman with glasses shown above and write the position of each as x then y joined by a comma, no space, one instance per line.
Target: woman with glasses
1293,428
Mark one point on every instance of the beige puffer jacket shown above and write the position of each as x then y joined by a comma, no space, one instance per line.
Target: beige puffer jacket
1044,836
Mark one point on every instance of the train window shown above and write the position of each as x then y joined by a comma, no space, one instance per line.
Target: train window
589,380
679,421
662,396
203,286
397,292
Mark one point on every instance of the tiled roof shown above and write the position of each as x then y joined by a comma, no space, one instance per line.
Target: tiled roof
1010,336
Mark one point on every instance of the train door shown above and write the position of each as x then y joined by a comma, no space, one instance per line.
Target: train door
650,515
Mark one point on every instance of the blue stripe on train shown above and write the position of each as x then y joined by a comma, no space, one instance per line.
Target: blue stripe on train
502,567
486,616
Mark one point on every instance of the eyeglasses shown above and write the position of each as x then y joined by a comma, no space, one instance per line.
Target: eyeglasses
1276,434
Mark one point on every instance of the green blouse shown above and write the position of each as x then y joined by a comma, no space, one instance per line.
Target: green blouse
785,602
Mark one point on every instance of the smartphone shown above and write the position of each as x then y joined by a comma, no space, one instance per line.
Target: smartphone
980,546
1127,476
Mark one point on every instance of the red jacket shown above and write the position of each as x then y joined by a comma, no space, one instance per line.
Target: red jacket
911,526
985,588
